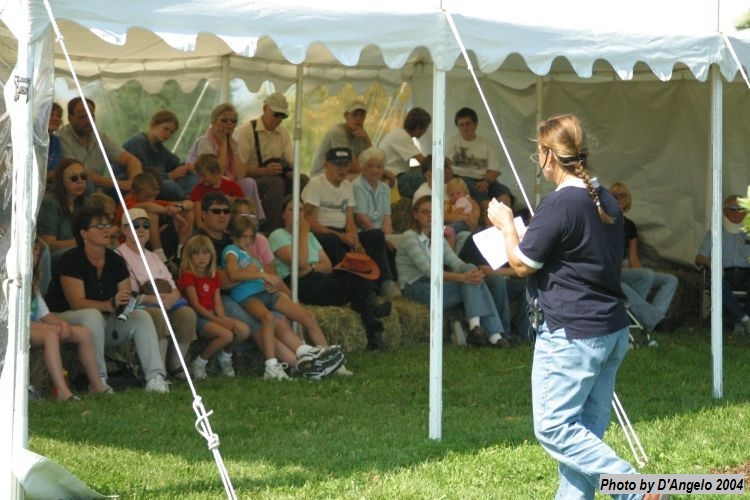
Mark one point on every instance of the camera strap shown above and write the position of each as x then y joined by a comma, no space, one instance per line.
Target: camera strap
257,142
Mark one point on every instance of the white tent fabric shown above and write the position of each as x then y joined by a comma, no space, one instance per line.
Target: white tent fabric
542,58
537,57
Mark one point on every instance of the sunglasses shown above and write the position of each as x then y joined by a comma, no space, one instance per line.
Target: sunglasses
102,225
620,196
735,208
228,120
280,116
217,211
74,178
145,225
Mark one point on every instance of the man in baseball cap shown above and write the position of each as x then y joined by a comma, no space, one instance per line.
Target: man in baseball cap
348,134
271,161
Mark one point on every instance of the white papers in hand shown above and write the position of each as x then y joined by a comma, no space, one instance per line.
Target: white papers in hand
491,243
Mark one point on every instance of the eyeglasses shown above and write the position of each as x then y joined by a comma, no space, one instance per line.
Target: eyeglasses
735,208
146,224
82,176
621,196
280,116
102,225
217,211
228,120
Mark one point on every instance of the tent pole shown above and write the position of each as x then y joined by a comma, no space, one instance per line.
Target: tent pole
19,98
716,230
296,185
225,79
539,112
436,257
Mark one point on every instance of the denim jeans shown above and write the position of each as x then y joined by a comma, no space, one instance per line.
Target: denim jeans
572,383
735,279
637,284
477,301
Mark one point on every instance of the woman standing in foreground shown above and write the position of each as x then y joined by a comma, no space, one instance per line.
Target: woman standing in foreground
572,254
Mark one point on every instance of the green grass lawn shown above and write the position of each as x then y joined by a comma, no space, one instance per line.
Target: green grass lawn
367,436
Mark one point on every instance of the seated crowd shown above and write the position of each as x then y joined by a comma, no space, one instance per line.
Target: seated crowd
217,236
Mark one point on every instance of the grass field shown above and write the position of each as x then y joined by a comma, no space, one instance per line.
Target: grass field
367,436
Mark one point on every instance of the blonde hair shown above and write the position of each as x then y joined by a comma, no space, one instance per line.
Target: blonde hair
563,136
105,201
458,182
195,244
240,224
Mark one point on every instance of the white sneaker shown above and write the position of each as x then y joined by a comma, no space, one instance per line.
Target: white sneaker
226,366
343,372
198,370
276,372
157,384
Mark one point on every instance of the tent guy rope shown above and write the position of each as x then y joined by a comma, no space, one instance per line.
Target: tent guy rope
202,423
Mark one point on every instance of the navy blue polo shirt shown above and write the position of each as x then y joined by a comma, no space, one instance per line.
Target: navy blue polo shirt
579,258
75,264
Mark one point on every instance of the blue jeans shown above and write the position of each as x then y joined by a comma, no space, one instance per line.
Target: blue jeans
498,286
637,284
477,301
572,383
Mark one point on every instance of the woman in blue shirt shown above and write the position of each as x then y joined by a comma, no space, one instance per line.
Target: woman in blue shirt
572,254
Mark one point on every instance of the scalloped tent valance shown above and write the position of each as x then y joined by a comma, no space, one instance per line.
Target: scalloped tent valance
257,40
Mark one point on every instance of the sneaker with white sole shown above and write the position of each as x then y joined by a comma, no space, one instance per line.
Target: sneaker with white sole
276,372
157,384
226,366
321,367
198,370
318,357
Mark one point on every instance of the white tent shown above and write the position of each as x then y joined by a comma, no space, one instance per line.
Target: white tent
646,77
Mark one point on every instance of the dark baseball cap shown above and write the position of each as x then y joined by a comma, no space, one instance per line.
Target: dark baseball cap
339,156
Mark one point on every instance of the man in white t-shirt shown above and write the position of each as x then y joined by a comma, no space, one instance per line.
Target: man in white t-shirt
329,210
402,155
475,161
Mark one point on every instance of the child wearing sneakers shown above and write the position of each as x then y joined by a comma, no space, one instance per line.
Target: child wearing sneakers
260,293
199,283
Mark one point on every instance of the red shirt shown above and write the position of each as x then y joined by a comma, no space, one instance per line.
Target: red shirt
205,287
227,186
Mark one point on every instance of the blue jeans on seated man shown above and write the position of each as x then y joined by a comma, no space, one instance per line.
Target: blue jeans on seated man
735,278
477,301
572,385
638,283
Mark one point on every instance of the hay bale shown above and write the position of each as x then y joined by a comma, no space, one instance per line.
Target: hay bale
341,326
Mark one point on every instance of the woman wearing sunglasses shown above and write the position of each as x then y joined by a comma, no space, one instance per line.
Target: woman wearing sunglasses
218,141
91,287
68,194
640,283
181,316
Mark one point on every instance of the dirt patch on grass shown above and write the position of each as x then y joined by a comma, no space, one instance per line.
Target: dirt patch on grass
742,469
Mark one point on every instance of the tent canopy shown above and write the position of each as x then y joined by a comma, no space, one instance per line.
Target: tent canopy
606,62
